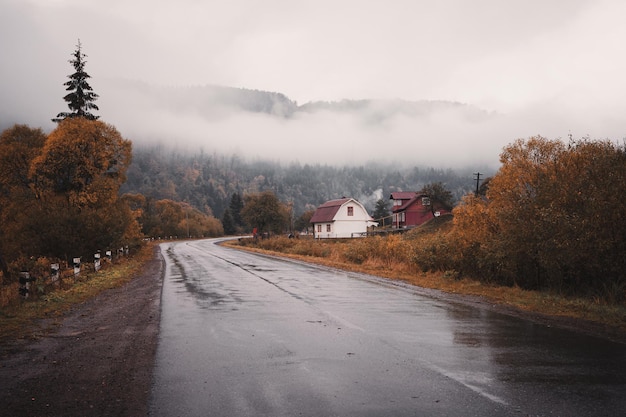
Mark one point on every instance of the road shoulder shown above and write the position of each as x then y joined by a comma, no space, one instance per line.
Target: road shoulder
98,361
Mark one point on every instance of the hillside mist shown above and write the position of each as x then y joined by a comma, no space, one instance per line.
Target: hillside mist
201,144
270,126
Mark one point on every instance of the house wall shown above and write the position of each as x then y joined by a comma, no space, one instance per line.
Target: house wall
417,214
345,226
323,234
348,228
341,229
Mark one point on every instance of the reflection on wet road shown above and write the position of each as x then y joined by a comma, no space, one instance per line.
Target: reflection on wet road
247,335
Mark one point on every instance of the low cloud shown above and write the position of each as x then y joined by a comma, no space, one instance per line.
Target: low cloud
430,133
548,68
438,134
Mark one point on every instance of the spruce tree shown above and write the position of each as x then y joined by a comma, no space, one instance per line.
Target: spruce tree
381,212
81,98
235,206
228,223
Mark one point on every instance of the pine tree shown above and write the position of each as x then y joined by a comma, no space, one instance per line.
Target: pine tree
81,98
236,205
381,213
228,223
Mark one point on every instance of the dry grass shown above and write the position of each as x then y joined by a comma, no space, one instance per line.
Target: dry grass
18,319
365,255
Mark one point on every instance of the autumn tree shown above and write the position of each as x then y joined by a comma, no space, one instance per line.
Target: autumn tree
199,224
303,222
165,218
470,240
439,195
552,219
83,160
519,194
265,212
585,243
81,97
19,145
76,179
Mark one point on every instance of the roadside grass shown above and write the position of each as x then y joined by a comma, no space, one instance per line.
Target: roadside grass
357,255
24,318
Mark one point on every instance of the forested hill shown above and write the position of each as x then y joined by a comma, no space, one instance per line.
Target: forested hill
208,181
210,100
207,101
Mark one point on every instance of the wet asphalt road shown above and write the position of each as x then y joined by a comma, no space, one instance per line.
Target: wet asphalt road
247,335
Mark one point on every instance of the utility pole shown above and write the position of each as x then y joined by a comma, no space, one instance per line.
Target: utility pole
477,175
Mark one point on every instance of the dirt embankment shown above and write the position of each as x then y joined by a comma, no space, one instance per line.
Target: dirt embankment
97,362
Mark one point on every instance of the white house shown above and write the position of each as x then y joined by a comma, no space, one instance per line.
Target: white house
341,218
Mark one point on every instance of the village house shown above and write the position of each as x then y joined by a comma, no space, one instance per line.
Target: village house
341,218
412,209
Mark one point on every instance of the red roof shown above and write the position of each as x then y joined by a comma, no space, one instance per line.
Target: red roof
326,212
407,203
403,195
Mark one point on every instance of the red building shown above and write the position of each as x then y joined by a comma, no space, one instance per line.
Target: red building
412,209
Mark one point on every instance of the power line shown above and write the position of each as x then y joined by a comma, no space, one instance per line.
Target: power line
477,178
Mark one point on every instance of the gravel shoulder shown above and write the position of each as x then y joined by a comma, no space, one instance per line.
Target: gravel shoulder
97,362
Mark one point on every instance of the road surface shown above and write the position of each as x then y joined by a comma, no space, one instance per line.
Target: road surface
249,335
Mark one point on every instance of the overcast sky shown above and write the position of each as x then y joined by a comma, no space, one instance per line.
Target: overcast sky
549,67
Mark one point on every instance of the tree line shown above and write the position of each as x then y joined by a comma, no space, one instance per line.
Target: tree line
208,181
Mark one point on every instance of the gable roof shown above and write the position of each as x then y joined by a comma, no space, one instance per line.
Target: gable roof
408,203
402,195
327,211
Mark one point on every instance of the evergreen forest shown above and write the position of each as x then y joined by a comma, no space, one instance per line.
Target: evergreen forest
208,181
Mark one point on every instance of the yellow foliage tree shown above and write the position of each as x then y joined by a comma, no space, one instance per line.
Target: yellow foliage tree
84,160
168,218
19,145
76,180
552,219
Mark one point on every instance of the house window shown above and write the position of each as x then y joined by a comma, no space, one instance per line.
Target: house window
328,228
319,228
397,202
402,217
350,211
425,201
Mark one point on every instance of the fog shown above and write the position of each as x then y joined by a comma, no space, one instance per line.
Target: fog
461,136
519,68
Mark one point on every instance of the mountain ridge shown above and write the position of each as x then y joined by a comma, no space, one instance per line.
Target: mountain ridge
203,98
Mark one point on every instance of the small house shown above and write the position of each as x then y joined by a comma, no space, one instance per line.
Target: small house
412,209
341,218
